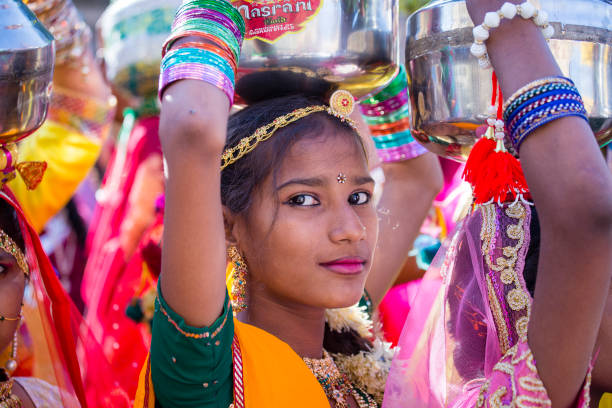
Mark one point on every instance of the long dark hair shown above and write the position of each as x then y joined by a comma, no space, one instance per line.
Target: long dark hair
9,223
241,179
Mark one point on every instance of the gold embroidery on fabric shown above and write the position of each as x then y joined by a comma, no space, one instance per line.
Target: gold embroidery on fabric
515,232
507,276
495,400
517,298
521,326
481,397
524,401
516,211
498,316
505,368
531,382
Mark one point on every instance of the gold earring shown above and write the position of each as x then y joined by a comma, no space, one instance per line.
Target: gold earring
239,276
11,364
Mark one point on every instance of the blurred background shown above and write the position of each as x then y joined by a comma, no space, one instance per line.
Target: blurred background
92,9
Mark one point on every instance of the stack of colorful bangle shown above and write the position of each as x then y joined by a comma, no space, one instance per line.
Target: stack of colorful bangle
388,116
538,103
214,61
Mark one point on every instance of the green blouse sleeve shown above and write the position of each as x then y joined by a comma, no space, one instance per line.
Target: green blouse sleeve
191,366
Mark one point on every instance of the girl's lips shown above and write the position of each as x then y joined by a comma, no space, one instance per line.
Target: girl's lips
345,266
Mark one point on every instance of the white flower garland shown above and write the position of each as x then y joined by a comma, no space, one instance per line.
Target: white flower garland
367,370
354,317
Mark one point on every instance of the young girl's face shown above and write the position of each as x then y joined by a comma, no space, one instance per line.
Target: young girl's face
311,230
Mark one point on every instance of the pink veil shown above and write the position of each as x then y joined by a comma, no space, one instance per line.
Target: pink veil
470,310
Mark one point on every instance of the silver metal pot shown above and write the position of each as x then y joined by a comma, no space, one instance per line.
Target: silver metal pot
131,34
26,69
449,92
316,46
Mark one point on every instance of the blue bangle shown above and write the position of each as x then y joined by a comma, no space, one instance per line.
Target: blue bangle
571,91
552,112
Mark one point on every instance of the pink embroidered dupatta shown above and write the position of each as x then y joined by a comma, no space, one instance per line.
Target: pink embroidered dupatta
464,342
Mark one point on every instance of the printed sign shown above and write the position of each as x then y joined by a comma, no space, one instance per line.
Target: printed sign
269,20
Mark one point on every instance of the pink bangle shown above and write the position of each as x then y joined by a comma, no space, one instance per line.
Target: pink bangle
404,152
212,15
200,72
386,107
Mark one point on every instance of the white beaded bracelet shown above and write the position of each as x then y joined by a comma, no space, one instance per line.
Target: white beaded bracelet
493,19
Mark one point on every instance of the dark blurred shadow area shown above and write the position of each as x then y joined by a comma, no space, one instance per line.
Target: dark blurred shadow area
91,9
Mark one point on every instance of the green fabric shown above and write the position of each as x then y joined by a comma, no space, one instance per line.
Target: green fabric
180,383
181,365
366,302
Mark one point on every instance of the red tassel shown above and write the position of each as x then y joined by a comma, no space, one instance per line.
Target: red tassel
494,174
474,165
501,181
495,180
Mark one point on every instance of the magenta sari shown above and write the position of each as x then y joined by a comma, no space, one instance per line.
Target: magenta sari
465,340
106,257
108,261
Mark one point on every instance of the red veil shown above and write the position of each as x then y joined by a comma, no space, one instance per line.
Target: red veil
62,347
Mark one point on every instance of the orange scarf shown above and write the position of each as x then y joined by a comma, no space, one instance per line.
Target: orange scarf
274,375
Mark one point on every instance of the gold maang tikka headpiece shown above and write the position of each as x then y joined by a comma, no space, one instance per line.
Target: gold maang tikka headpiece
341,105
7,244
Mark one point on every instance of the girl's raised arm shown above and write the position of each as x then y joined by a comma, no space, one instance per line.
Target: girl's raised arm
192,130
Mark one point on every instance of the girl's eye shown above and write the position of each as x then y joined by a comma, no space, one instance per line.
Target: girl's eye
3,269
359,198
303,200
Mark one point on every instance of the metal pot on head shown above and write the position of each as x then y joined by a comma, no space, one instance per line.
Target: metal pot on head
450,92
131,34
27,55
316,46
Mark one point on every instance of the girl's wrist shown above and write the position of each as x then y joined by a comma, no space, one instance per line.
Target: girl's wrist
516,48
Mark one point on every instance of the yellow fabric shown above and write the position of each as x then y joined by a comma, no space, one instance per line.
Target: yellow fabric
606,401
274,375
144,384
69,156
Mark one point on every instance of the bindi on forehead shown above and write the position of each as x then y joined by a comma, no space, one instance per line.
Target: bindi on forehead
326,180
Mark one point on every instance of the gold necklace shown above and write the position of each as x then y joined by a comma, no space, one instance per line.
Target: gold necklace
7,398
335,384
